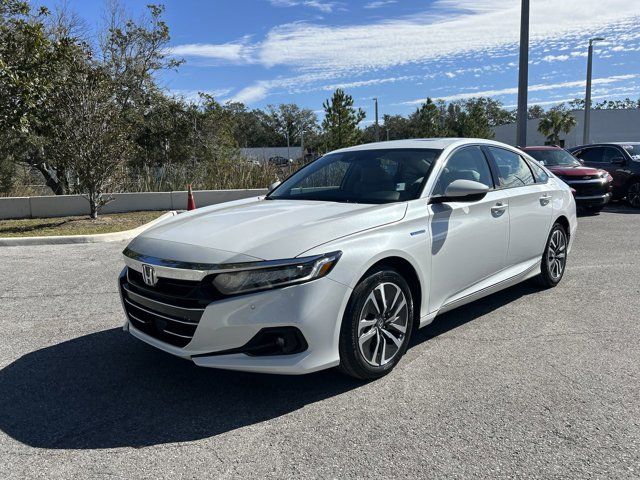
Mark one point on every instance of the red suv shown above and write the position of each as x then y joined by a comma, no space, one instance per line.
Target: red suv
593,187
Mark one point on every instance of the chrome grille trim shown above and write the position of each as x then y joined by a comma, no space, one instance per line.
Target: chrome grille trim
134,294
150,312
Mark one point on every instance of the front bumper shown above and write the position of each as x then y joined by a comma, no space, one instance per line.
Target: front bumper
592,200
315,309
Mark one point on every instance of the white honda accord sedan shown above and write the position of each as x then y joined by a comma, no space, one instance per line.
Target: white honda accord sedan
339,264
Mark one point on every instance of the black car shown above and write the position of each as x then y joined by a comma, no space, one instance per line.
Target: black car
621,160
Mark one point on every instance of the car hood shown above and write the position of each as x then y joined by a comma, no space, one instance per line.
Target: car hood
574,171
262,229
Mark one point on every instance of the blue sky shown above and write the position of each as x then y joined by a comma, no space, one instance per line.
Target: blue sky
265,52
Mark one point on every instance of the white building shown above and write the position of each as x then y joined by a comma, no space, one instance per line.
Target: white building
606,126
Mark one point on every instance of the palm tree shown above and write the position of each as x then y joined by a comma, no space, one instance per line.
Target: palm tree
555,121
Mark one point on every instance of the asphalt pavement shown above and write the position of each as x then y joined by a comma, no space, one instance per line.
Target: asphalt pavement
526,383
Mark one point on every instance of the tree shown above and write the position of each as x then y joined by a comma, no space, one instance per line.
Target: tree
427,120
555,121
535,111
290,121
340,124
93,139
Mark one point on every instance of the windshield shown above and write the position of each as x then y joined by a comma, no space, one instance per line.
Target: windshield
634,150
552,158
365,176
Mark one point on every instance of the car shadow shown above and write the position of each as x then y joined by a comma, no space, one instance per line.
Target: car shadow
108,390
465,314
620,206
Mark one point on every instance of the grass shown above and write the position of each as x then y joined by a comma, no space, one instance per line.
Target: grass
37,227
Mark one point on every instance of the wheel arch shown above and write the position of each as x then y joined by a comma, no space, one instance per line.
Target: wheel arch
564,221
408,271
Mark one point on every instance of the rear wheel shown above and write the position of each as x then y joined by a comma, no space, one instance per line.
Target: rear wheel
554,259
377,325
633,193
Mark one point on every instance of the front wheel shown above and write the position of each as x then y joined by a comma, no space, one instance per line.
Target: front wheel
633,194
554,258
377,325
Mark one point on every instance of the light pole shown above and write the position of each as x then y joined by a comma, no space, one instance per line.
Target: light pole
377,125
523,76
587,96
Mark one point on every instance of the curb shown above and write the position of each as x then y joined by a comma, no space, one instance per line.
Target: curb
71,239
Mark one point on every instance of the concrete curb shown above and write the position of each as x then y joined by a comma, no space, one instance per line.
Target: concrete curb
70,239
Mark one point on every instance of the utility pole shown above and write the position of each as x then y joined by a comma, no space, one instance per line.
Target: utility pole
523,76
587,96
377,124
288,147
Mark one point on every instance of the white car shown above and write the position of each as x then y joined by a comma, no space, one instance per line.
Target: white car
342,261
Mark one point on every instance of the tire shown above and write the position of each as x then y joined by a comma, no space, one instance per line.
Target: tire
633,193
373,338
554,258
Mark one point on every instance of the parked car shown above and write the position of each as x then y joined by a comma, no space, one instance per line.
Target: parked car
621,160
593,186
339,264
280,161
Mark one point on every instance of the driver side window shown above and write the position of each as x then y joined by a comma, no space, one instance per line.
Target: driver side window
468,163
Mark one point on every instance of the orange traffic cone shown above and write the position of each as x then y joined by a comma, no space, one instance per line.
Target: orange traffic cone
191,203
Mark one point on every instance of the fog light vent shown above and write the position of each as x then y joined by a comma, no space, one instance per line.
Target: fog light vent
276,341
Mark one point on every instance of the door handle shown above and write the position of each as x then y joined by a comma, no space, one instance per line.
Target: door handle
498,209
545,199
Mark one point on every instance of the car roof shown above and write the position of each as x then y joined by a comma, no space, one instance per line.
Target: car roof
600,144
427,143
543,147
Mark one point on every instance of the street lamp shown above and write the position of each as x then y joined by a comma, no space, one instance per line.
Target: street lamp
523,76
587,97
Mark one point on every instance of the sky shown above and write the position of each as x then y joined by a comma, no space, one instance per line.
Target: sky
263,52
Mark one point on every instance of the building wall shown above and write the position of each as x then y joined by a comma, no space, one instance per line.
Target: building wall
606,126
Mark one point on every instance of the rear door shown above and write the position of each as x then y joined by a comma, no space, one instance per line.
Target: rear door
469,240
530,205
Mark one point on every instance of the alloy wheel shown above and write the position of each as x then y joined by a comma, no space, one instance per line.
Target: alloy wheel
633,194
557,254
382,325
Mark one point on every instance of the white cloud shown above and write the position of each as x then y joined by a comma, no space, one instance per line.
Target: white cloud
532,88
472,26
234,52
555,58
252,94
325,7
448,29
380,4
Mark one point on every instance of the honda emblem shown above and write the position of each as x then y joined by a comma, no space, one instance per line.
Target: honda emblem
149,275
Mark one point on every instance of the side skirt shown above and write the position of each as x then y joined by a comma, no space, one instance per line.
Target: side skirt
483,292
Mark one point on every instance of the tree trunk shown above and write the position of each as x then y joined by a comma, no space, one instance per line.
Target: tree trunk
50,180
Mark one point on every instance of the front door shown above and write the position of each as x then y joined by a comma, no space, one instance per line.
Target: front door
469,240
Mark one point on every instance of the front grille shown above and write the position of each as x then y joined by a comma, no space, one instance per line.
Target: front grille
170,310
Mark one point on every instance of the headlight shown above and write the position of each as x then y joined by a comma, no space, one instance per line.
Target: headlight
242,278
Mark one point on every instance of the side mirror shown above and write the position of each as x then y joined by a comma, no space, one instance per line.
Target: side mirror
462,191
273,186
619,161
